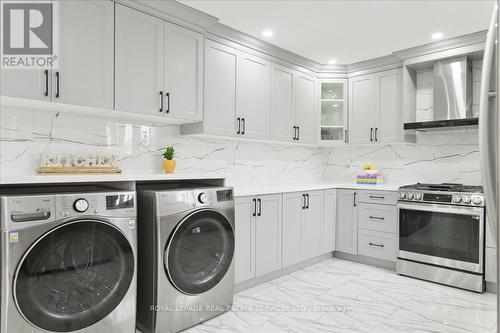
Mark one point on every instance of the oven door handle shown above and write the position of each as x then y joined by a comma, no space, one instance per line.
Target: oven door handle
463,210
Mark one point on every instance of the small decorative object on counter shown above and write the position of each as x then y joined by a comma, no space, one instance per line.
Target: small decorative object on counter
168,160
369,176
77,163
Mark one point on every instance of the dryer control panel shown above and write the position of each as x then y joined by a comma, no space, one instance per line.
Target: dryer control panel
105,204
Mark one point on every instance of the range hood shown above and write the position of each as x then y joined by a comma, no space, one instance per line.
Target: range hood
452,96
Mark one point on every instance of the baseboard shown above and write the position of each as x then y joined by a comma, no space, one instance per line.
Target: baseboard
366,260
279,273
491,287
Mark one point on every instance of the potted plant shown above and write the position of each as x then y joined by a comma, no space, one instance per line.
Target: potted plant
168,159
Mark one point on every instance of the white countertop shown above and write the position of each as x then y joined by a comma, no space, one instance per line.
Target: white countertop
246,190
92,178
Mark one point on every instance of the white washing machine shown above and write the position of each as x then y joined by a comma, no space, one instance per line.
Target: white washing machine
186,249
68,262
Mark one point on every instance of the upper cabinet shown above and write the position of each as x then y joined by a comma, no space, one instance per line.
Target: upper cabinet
305,117
158,66
85,72
333,107
375,108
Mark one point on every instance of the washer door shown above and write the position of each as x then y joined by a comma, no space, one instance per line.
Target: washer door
74,276
199,252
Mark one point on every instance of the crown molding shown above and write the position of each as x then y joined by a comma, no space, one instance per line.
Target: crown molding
374,65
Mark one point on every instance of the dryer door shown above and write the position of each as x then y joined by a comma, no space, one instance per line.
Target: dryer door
74,276
199,252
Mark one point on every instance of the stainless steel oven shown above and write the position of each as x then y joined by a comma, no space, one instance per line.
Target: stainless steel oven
441,237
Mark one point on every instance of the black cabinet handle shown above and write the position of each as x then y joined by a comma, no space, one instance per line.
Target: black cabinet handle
354,199
239,125
295,132
168,102
161,101
298,133
377,245
254,207
303,201
243,121
307,197
345,136
376,135
371,134
57,84
46,73
376,218
260,207
376,197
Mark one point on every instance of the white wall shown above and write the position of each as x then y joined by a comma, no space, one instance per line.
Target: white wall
24,134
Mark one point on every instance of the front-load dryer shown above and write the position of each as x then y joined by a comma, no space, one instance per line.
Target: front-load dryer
68,262
186,248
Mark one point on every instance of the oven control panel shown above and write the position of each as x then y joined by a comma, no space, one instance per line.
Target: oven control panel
462,199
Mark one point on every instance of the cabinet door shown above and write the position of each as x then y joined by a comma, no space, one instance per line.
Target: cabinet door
282,112
312,225
360,110
244,254
268,234
347,222
329,220
388,124
138,61
253,96
183,72
85,73
292,211
305,117
220,89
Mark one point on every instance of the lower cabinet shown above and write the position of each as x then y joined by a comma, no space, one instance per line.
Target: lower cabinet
329,219
347,222
490,256
302,226
375,244
257,235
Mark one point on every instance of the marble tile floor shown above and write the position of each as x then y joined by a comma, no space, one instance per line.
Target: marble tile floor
342,296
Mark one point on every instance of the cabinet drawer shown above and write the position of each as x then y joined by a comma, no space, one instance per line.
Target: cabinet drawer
490,265
376,244
378,197
377,217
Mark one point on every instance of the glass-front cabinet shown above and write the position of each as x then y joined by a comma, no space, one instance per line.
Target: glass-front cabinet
333,97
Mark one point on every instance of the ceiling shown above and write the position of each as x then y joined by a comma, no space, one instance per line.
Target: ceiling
349,31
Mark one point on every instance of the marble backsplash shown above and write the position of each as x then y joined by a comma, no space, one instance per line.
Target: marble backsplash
443,156
24,134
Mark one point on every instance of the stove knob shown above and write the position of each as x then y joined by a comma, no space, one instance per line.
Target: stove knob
477,200
457,199
402,195
202,198
410,196
81,205
466,199
418,196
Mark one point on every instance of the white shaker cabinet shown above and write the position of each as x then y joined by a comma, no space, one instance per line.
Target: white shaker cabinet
347,222
282,102
84,75
158,67
312,225
139,41
375,108
305,115
183,76
329,220
258,235
253,97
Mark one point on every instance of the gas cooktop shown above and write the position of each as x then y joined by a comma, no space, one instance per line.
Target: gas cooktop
444,187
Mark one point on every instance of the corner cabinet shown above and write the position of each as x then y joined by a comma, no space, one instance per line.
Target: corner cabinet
158,66
375,108
333,112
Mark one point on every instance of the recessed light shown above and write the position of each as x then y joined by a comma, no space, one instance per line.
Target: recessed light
267,33
437,35
332,61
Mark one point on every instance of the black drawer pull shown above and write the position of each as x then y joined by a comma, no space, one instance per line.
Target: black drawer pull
161,101
376,197
377,245
57,84
254,207
46,73
377,218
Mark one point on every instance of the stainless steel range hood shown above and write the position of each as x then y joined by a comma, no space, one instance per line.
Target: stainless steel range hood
452,95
